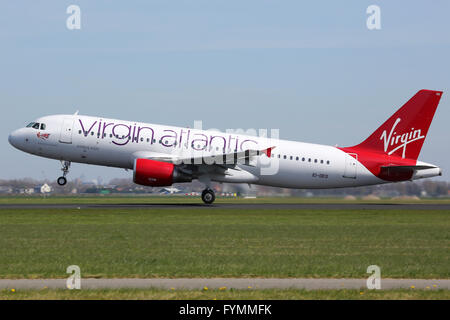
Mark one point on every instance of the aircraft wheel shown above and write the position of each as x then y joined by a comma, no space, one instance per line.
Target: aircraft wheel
61,181
208,196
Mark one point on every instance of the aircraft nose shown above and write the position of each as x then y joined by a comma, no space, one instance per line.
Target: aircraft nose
13,139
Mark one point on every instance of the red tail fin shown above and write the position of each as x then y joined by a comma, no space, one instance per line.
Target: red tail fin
404,133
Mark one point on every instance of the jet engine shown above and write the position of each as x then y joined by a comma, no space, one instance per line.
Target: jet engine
157,173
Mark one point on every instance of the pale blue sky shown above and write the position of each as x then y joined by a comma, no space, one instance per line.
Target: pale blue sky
311,69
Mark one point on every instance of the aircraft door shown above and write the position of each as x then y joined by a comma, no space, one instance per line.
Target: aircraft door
66,130
350,166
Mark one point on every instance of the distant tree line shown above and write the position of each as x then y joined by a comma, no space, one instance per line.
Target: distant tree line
423,188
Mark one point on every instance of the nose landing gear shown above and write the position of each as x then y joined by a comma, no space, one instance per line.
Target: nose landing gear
208,196
65,169
61,181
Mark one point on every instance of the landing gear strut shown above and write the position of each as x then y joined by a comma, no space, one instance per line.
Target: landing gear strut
208,196
65,169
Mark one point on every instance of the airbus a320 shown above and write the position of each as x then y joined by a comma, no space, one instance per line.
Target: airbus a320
161,155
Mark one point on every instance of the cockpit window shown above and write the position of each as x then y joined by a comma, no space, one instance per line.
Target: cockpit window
36,125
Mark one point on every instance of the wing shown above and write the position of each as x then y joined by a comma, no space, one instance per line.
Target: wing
223,159
221,167
226,159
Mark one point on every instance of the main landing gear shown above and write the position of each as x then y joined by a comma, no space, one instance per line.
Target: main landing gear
208,196
65,169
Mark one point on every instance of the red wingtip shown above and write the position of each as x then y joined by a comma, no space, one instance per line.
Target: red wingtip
268,151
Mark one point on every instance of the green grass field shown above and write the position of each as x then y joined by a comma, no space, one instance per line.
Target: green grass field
126,199
192,242
154,294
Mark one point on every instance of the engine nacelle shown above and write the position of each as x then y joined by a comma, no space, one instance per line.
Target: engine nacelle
157,173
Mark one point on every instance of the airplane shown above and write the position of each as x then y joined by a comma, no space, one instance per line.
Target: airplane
162,155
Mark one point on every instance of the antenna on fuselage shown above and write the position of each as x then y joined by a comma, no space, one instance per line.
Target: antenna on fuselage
76,113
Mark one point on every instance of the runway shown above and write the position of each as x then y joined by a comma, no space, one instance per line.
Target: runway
241,206
226,283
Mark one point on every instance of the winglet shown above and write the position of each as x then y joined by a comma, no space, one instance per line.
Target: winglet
268,151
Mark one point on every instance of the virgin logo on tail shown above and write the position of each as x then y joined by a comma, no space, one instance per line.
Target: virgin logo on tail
393,139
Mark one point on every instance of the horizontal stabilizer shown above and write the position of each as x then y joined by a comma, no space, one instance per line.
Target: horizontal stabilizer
403,173
407,168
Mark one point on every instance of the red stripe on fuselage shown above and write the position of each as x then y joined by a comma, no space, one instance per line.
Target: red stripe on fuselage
373,161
